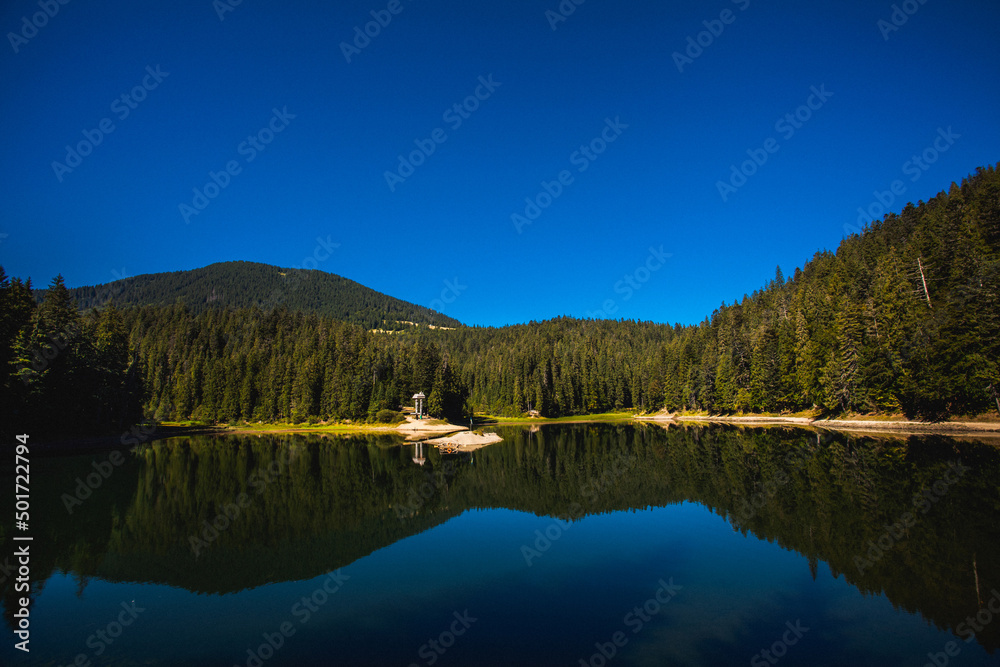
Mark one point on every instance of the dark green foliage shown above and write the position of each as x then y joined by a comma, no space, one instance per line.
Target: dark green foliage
247,365
67,373
328,503
903,318
16,312
447,399
388,417
559,367
852,331
279,366
247,284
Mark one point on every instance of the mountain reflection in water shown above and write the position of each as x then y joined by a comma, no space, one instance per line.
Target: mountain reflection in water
915,519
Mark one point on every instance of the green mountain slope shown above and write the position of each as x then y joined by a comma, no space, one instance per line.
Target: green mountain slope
249,284
902,318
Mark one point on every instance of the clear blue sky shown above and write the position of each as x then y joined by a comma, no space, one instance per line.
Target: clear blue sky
322,176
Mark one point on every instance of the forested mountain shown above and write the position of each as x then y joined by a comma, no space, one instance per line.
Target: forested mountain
247,284
904,317
250,365
247,364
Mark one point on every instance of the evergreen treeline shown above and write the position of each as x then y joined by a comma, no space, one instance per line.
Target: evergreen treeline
559,367
904,317
251,365
247,284
68,373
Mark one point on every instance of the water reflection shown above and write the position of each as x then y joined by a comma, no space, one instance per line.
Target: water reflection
419,455
915,519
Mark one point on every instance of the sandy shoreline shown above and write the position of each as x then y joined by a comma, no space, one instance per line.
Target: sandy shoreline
415,430
465,442
414,427
871,425
460,440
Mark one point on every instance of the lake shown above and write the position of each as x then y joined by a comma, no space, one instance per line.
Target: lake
582,544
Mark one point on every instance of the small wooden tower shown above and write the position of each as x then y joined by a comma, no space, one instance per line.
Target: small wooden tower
418,404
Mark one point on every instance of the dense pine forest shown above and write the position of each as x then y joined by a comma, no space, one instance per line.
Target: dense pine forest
247,284
69,373
903,318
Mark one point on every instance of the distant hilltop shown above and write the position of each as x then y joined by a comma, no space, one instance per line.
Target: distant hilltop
249,284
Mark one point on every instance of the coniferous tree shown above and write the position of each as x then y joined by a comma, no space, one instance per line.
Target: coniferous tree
903,317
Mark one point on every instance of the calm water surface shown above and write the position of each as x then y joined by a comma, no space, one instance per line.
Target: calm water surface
569,545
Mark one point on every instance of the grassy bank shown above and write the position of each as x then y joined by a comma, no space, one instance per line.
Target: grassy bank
482,419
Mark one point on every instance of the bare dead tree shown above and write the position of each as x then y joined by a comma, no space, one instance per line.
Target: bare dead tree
927,295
